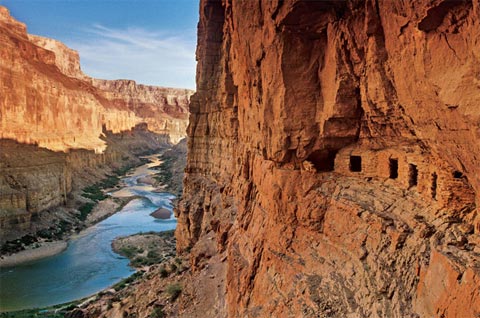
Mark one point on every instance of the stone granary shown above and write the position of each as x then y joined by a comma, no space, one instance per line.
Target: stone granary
411,169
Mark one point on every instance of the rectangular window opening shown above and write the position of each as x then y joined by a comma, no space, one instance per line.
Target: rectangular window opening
412,175
355,163
434,185
393,164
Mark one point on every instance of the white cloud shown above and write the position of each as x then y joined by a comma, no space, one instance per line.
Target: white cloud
154,58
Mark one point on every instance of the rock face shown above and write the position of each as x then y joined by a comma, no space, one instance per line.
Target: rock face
333,158
165,110
47,100
58,126
40,187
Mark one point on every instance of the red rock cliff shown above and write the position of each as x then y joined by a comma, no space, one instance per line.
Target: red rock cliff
333,159
47,100
47,103
164,109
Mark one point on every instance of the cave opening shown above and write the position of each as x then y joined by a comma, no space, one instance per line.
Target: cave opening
393,164
434,185
412,175
323,160
355,163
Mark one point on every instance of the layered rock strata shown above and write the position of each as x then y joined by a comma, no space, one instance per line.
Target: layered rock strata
333,158
165,110
57,125
47,100
40,188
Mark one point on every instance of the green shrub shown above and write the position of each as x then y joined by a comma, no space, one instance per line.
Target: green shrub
124,282
152,254
163,272
109,182
94,193
123,170
157,313
85,210
174,290
139,261
128,251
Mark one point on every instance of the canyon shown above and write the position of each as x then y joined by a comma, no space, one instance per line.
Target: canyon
332,166
61,130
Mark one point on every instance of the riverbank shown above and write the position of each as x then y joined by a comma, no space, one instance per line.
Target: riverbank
89,253
45,249
168,269
161,283
146,249
171,170
91,205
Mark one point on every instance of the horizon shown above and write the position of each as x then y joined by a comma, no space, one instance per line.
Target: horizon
150,42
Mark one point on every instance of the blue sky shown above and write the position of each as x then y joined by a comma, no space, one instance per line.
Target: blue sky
150,41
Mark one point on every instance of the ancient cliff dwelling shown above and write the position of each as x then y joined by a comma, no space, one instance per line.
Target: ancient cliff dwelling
332,161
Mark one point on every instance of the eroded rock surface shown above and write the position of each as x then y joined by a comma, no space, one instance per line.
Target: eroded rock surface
333,158
47,100
61,130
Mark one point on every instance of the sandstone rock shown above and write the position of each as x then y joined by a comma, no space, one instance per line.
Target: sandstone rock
39,186
165,110
47,100
58,116
332,145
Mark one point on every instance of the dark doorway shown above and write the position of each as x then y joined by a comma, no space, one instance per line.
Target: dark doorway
434,185
412,175
323,160
393,163
355,163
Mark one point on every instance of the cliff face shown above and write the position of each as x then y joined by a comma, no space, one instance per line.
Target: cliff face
42,105
333,158
47,100
165,110
57,125
40,188
66,59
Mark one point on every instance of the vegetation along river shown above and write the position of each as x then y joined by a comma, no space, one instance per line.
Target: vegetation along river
88,265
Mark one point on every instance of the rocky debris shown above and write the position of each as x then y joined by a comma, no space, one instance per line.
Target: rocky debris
333,158
161,283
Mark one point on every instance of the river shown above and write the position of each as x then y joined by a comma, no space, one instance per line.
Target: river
88,265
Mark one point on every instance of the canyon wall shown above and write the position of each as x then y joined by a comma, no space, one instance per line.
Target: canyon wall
58,126
333,159
47,100
165,110
40,188
41,105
